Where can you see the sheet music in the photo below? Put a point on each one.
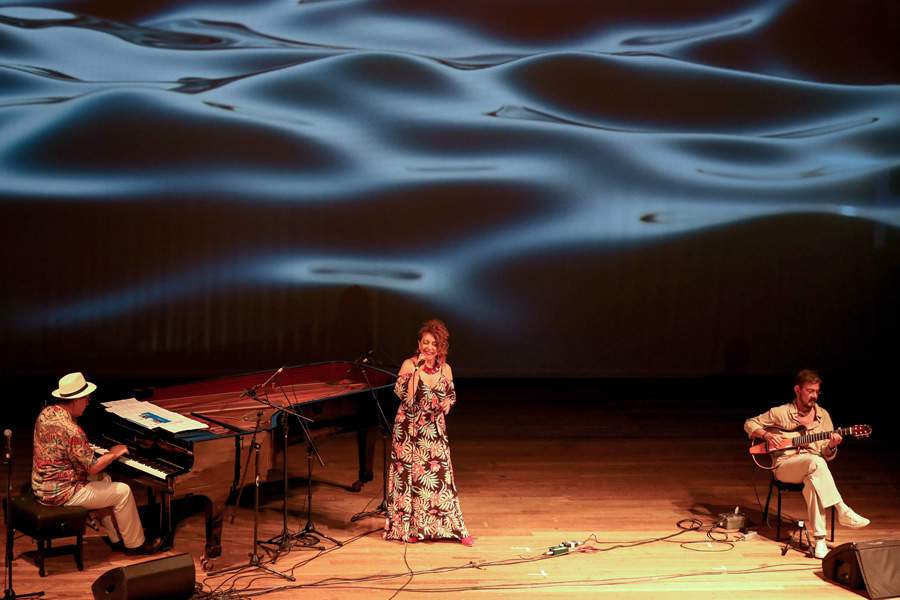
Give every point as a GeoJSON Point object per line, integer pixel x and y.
{"type": "Point", "coordinates": [151, 416]}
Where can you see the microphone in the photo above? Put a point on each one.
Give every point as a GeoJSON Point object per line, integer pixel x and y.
{"type": "Point", "coordinates": [271, 379]}
{"type": "Point", "coordinates": [7, 433]}
{"type": "Point", "coordinates": [252, 391]}
{"type": "Point", "coordinates": [365, 358]}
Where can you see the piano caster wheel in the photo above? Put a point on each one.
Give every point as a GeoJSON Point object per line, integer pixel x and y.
{"type": "Point", "coordinates": [357, 486]}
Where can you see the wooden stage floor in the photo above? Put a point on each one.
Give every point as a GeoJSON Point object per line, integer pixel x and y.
{"type": "Point", "coordinates": [536, 465]}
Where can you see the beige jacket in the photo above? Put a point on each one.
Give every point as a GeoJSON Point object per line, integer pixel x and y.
{"type": "Point", "coordinates": [785, 417]}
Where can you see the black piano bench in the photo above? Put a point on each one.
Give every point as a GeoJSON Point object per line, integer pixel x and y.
{"type": "Point", "coordinates": [47, 523]}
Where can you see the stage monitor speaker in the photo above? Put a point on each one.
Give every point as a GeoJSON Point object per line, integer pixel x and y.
{"type": "Point", "coordinates": [169, 578]}
{"type": "Point", "coordinates": [872, 566]}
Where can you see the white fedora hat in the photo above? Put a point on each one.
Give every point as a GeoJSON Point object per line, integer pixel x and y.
{"type": "Point", "coordinates": [72, 386]}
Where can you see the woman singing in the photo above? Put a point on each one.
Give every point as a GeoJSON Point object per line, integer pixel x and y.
{"type": "Point", "coordinates": [423, 503]}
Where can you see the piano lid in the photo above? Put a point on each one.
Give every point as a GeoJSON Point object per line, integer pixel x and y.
{"type": "Point", "coordinates": [231, 411]}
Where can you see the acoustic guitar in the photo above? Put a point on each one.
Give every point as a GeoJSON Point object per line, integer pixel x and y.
{"type": "Point", "coordinates": [766, 457]}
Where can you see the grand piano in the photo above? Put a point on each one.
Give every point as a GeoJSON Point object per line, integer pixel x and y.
{"type": "Point", "coordinates": [338, 396]}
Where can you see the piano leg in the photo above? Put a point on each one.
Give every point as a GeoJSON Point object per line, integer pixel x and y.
{"type": "Point", "coordinates": [161, 510]}
{"type": "Point", "coordinates": [365, 444]}
{"type": "Point", "coordinates": [167, 522]}
{"type": "Point", "coordinates": [214, 511]}
{"type": "Point", "coordinates": [214, 508]}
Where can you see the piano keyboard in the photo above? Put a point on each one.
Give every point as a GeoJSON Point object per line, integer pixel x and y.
{"type": "Point", "coordinates": [152, 468]}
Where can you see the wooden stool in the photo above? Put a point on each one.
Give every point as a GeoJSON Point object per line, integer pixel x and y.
{"type": "Point", "coordinates": [781, 486]}
{"type": "Point", "coordinates": [47, 523]}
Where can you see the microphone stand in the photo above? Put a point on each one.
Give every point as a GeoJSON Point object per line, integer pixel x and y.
{"type": "Point", "coordinates": [255, 561]}
{"type": "Point", "coordinates": [8, 592]}
{"type": "Point", "coordinates": [251, 393]}
{"type": "Point", "coordinates": [386, 431]}
{"type": "Point", "coordinates": [309, 536]}
{"type": "Point", "coordinates": [284, 541]}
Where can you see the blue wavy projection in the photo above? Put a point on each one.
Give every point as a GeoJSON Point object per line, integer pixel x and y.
{"type": "Point", "coordinates": [304, 270]}
{"type": "Point", "coordinates": [420, 149]}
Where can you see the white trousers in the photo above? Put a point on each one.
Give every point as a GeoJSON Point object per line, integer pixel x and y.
{"type": "Point", "coordinates": [819, 489]}
{"type": "Point", "coordinates": [106, 493]}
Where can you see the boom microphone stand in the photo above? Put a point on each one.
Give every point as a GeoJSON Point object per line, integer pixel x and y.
{"type": "Point", "coordinates": [386, 430]}
{"type": "Point", "coordinates": [251, 393]}
{"type": "Point", "coordinates": [309, 536]}
{"type": "Point", "coordinates": [255, 561]}
{"type": "Point", "coordinates": [284, 541]}
{"type": "Point", "coordinates": [8, 592]}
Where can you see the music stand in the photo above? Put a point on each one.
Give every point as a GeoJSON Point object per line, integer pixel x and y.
{"type": "Point", "coordinates": [386, 430]}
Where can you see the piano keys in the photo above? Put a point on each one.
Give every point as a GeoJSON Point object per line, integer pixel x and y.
{"type": "Point", "coordinates": [154, 468]}
{"type": "Point", "coordinates": [338, 396]}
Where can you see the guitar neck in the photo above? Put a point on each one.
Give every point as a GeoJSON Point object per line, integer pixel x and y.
{"type": "Point", "coordinates": [809, 438]}
{"type": "Point", "coordinates": [791, 442]}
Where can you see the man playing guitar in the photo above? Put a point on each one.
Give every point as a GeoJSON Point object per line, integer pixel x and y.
{"type": "Point", "coordinates": [808, 464]}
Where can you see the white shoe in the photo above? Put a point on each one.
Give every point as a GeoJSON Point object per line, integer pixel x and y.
{"type": "Point", "coordinates": [821, 549]}
{"type": "Point", "coordinates": [850, 519]}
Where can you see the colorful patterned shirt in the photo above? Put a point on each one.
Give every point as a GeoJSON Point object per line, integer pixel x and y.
{"type": "Point", "coordinates": [62, 456]}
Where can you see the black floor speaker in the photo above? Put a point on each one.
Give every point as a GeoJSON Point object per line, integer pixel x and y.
{"type": "Point", "coordinates": [169, 578]}
{"type": "Point", "coordinates": [872, 566]}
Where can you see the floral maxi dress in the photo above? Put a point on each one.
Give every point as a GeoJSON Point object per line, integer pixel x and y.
{"type": "Point", "coordinates": [422, 498]}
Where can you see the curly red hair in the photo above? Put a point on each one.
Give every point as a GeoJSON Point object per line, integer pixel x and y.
{"type": "Point", "coordinates": [441, 335]}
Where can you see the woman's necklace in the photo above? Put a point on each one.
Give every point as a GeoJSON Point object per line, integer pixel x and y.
{"type": "Point", "coordinates": [431, 370]}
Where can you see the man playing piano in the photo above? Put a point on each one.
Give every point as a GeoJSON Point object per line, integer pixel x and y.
{"type": "Point", "coordinates": [65, 471]}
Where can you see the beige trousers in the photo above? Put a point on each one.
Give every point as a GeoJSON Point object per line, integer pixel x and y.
{"type": "Point", "coordinates": [106, 493]}
{"type": "Point", "coordinates": [819, 489]}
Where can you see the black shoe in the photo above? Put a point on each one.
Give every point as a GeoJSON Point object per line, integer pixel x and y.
{"type": "Point", "coordinates": [115, 546]}
{"type": "Point", "coordinates": [151, 546]}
